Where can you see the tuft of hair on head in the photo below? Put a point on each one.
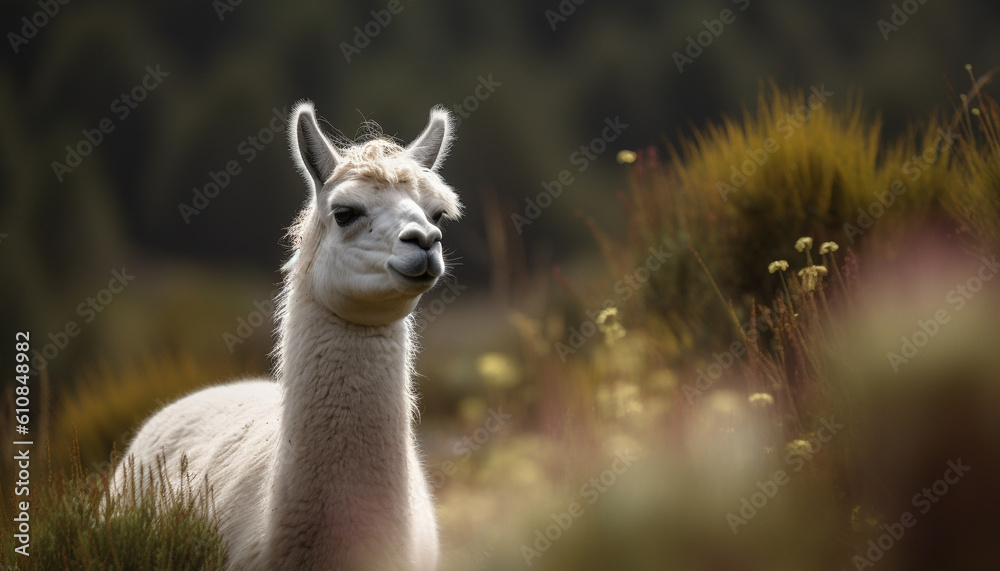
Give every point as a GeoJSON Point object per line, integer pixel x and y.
{"type": "Point", "coordinates": [370, 130]}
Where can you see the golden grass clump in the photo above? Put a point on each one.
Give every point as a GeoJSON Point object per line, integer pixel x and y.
{"type": "Point", "coordinates": [805, 164]}
{"type": "Point", "coordinates": [76, 523]}
{"type": "Point", "coordinates": [977, 204]}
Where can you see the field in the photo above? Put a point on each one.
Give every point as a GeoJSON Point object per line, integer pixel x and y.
{"type": "Point", "coordinates": [787, 361]}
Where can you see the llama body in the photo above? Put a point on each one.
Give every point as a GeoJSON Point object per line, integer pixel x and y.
{"type": "Point", "coordinates": [319, 469]}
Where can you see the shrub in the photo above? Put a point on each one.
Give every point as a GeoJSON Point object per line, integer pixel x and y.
{"type": "Point", "coordinates": [76, 523]}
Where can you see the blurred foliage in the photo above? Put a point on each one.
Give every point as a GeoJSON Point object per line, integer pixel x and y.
{"type": "Point", "coordinates": [720, 376]}
{"type": "Point", "coordinates": [816, 429]}
{"type": "Point", "coordinates": [102, 410]}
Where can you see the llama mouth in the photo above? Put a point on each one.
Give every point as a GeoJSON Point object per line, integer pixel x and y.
{"type": "Point", "coordinates": [417, 269]}
{"type": "Point", "coordinates": [425, 277]}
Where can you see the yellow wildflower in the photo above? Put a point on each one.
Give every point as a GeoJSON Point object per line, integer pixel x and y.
{"type": "Point", "coordinates": [799, 447]}
{"type": "Point", "coordinates": [777, 265]}
{"type": "Point", "coordinates": [607, 322]}
{"type": "Point", "coordinates": [625, 157]}
{"type": "Point", "coordinates": [497, 369]}
{"type": "Point", "coordinates": [810, 276]}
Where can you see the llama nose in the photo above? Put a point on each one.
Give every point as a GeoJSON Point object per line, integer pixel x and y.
{"type": "Point", "coordinates": [425, 238]}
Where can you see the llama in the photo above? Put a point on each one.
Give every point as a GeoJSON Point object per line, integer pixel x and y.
{"type": "Point", "coordinates": [320, 469]}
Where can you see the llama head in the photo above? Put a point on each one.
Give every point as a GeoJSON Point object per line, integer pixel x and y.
{"type": "Point", "coordinates": [368, 242]}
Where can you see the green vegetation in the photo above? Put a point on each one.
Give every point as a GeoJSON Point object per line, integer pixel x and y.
{"type": "Point", "coordinates": [76, 524]}
{"type": "Point", "coordinates": [783, 379]}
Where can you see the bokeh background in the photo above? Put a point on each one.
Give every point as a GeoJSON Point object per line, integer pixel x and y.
{"type": "Point", "coordinates": [198, 307]}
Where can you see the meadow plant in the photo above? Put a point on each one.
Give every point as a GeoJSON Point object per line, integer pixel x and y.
{"type": "Point", "coordinates": [77, 524]}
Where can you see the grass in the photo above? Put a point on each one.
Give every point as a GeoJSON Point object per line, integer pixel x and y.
{"type": "Point", "coordinates": [977, 206]}
{"type": "Point", "coordinates": [815, 176]}
{"type": "Point", "coordinates": [715, 411]}
{"type": "Point", "coordinates": [100, 411]}
{"type": "Point", "coordinates": [76, 523]}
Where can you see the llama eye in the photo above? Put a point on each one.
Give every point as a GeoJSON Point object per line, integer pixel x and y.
{"type": "Point", "coordinates": [344, 215]}
{"type": "Point", "coordinates": [437, 217]}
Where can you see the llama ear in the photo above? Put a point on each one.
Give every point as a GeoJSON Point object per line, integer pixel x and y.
{"type": "Point", "coordinates": [431, 147]}
{"type": "Point", "coordinates": [312, 152]}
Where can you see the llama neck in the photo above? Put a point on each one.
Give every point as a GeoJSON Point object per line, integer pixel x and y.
{"type": "Point", "coordinates": [341, 482]}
